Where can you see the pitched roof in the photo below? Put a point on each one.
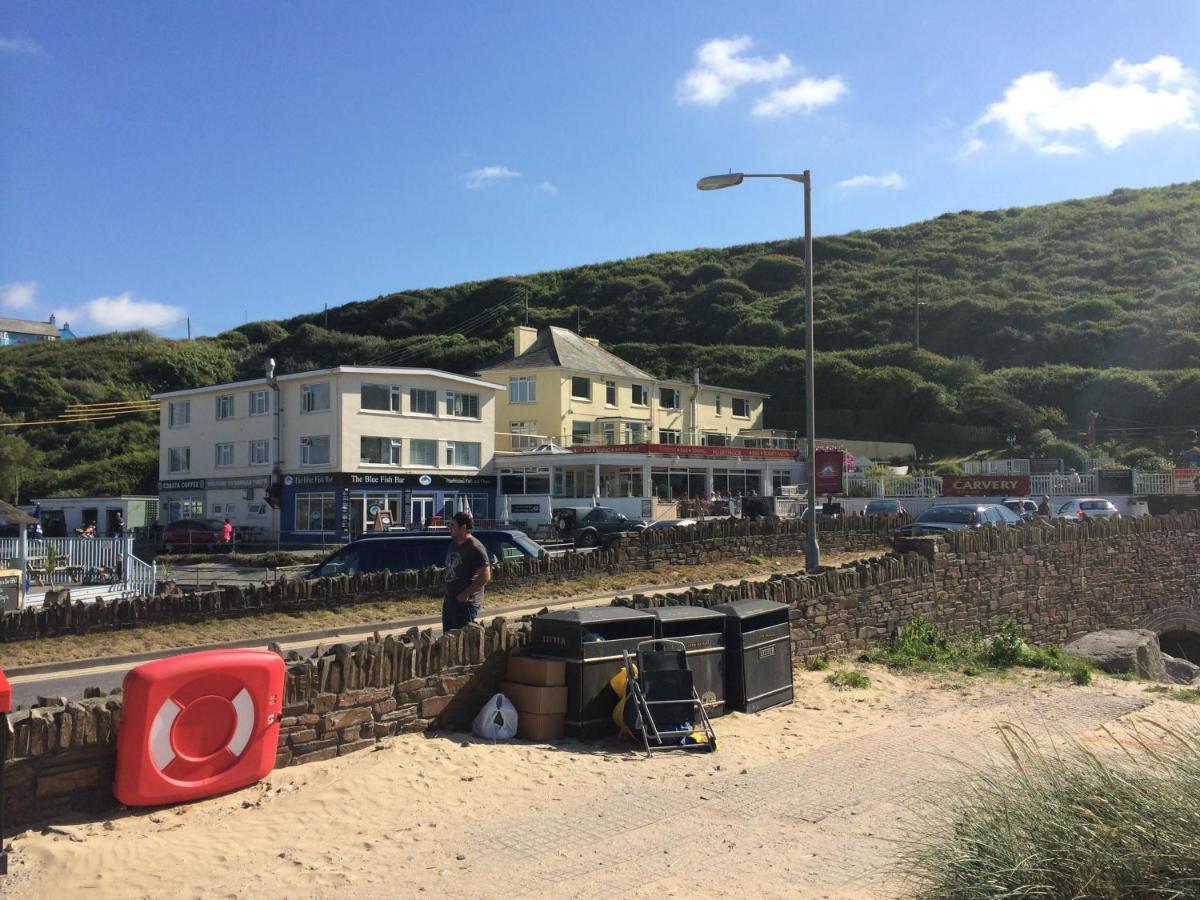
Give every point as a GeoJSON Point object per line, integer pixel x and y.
{"type": "Point", "coordinates": [24, 326]}
{"type": "Point", "coordinates": [562, 348]}
{"type": "Point", "coordinates": [10, 515]}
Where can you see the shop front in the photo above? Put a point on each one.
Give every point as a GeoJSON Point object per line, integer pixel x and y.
{"type": "Point", "coordinates": [239, 499]}
{"type": "Point", "coordinates": [342, 505]}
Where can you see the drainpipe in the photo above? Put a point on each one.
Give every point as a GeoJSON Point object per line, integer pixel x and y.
{"type": "Point", "coordinates": [692, 405]}
{"type": "Point", "coordinates": [276, 464]}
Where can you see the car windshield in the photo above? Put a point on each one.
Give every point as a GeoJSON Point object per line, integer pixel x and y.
{"type": "Point", "coordinates": [1066, 507]}
{"type": "Point", "coordinates": [951, 515]}
{"type": "Point", "coordinates": [529, 546]}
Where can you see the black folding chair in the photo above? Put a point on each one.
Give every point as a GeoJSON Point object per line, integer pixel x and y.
{"type": "Point", "coordinates": [666, 710]}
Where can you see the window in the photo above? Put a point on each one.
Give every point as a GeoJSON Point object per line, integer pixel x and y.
{"type": "Point", "coordinates": [179, 459]}
{"type": "Point", "coordinates": [718, 404]}
{"type": "Point", "coordinates": [314, 397]}
{"type": "Point", "coordinates": [522, 389]}
{"type": "Point", "coordinates": [422, 401]}
{"type": "Point", "coordinates": [315, 512]}
{"type": "Point", "coordinates": [635, 433]}
{"type": "Point", "coordinates": [380, 451]}
{"type": "Point", "coordinates": [384, 397]}
{"type": "Point", "coordinates": [668, 398]}
{"type": "Point", "coordinates": [581, 388]}
{"type": "Point", "coordinates": [259, 404]}
{"type": "Point", "coordinates": [668, 436]}
{"type": "Point", "coordinates": [525, 481]}
{"type": "Point", "coordinates": [716, 439]}
{"type": "Point", "coordinates": [610, 433]}
{"type": "Point", "coordinates": [581, 432]}
{"type": "Point", "coordinates": [610, 393]}
{"type": "Point", "coordinates": [225, 406]}
{"type": "Point", "coordinates": [179, 414]}
{"type": "Point", "coordinates": [523, 435]}
{"type": "Point", "coordinates": [741, 408]}
{"type": "Point", "coordinates": [641, 396]}
{"type": "Point", "coordinates": [422, 453]}
{"type": "Point", "coordinates": [260, 455]}
{"type": "Point", "coordinates": [314, 451]}
{"type": "Point", "coordinates": [465, 406]}
{"type": "Point", "coordinates": [256, 509]}
{"type": "Point", "coordinates": [224, 454]}
{"type": "Point", "coordinates": [462, 453]}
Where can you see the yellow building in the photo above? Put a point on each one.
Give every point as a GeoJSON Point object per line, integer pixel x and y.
{"type": "Point", "coordinates": [568, 390]}
{"type": "Point", "coordinates": [576, 421]}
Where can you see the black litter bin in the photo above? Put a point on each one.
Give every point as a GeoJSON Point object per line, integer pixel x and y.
{"type": "Point", "coordinates": [702, 632]}
{"type": "Point", "coordinates": [758, 644]}
{"type": "Point", "coordinates": [591, 642]}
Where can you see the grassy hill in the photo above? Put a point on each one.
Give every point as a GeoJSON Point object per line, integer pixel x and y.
{"type": "Point", "coordinates": [1030, 318]}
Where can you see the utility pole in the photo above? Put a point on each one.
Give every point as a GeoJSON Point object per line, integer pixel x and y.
{"type": "Point", "coordinates": [189, 321]}
{"type": "Point", "coordinates": [917, 308]}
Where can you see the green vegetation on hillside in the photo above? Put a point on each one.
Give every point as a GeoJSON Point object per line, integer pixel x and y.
{"type": "Point", "coordinates": [1030, 318]}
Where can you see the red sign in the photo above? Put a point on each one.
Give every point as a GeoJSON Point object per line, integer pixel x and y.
{"type": "Point", "coordinates": [985, 485]}
{"type": "Point", "coordinates": [689, 450]}
{"type": "Point", "coordinates": [5, 697]}
{"type": "Point", "coordinates": [830, 465]}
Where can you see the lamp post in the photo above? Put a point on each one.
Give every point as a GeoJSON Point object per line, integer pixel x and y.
{"type": "Point", "coordinates": [812, 551]}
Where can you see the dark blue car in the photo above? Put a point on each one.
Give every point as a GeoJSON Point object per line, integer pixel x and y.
{"type": "Point", "coordinates": [397, 551]}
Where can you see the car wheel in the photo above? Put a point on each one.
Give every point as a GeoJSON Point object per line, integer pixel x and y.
{"type": "Point", "coordinates": [589, 539]}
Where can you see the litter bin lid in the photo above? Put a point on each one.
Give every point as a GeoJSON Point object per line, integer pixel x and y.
{"type": "Point", "coordinates": [744, 609]}
{"type": "Point", "coordinates": [595, 615]}
{"type": "Point", "coordinates": [685, 613]}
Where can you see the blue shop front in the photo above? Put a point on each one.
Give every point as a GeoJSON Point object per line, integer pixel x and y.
{"type": "Point", "coordinates": [339, 506]}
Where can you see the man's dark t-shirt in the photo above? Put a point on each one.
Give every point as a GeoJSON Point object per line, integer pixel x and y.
{"type": "Point", "coordinates": [463, 561]}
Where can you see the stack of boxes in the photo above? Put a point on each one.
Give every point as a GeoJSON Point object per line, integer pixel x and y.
{"type": "Point", "coordinates": [538, 689]}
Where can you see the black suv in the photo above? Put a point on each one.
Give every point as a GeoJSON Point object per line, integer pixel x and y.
{"type": "Point", "coordinates": [590, 526]}
{"type": "Point", "coordinates": [397, 551]}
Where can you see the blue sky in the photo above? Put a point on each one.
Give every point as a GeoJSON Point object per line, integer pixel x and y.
{"type": "Point", "coordinates": [230, 162]}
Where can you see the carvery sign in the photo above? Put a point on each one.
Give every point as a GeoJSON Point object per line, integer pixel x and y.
{"type": "Point", "coordinates": [985, 485]}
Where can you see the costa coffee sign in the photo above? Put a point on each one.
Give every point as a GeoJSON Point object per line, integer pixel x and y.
{"type": "Point", "coordinates": [984, 485]}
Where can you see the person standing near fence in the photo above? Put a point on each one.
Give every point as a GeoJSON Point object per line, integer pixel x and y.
{"type": "Point", "coordinates": [119, 526]}
{"type": "Point", "coordinates": [468, 569]}
{"type": "Point", "coordinates": [227, 535]}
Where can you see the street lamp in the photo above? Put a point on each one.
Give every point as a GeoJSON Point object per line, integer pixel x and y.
{"type": "Point", "coordinates": [812, 551]}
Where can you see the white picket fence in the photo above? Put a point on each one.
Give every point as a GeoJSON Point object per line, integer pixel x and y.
{"type": "Point", "coordinates": [78, 556]}
{"type": "Point", "coordinates": [893, 485]}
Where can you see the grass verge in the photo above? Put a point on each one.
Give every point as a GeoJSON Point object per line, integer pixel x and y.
{"type": "Point", "coordinates": [847, 680]}
{"type": "Point", "coordinates": [922, 647]}
{"type": "Point", "coordinates": [1183, 695]}
{"type": "Point", "coordinates": [1067, 822]}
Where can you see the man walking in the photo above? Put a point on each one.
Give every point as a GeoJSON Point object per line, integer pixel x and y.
{"type": "Point", "coordinates": [467, 571]}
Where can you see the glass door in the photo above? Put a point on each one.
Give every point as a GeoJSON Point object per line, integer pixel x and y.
{"type": "Point", "coordinates": [420, 507]}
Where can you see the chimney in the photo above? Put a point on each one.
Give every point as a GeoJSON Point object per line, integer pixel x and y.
{"type": "Point", "coordinates": [595, 342]}
{"type": "Point", "coordinates": [51, 318]}
{"type": "Point", "coordinates": [523, 338]}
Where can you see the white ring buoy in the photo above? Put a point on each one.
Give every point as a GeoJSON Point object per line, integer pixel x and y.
{"type": "Point", "coordinates": [162, 748]}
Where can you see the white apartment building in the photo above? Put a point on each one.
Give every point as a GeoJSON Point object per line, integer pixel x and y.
{"type": "Point", "coordinates": [335, 446]}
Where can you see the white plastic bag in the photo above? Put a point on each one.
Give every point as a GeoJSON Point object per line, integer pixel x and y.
{"type": "Point", "coordinates": [497, 721]}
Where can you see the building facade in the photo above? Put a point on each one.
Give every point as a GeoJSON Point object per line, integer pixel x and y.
{"type": "Point", "coordinates": [24, 331]}
{"type": "Point", "coordinates": [577, 422]}
{"type": "Point", "coordinates": [335, 446]}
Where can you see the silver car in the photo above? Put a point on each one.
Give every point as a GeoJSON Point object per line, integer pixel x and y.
{"type": "Point", "coordinates": [1088, 508]}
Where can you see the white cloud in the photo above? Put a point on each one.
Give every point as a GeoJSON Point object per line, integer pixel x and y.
{"type": "Point", "coordinates": [721, 69]}
{"type": "Point", "coordinates": [889, 180]}
{"type": "Point", "coordinates": [21, 45]}
{"type": "Point", "coordinates": [488, 176]}
{"type": "Point", "coordinates": [547, 188]}
{"type": "Point", "coordinates": [124, 313]}
{"type": "Point", "coordinates": [18, 294]}
{"type": "Point", "coordinates": [1130, 99]}
{"type": "Point", "coordinates": [804, 96]}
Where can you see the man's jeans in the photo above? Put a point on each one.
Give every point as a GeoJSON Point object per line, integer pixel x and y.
{"type": "Point", "coordinates": [457, 615]}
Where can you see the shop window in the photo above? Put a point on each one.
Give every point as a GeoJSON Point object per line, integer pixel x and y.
{"type": "Point", "coordinates": [315, 512]}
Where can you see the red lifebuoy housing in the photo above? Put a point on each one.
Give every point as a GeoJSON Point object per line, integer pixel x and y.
{"type": "Point", "coordinates": [197, 725]}
{"type": "Point", "coordinates": [5, 694]}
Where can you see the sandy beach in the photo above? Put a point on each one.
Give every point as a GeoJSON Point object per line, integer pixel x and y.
{"type": "Point", "coordinates": [807, 800]}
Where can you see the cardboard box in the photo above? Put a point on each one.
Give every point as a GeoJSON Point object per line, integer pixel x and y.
{"type": "Point", "coordinates": [543, 672]}
{"type": "Point", "coordinates": [534, 727]}
{"type": "Point", "coordinates": [528, 698]}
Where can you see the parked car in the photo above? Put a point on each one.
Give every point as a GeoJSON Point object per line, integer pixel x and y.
{"type": "Point", "coordinates": [193, 534]}
{"type": "Point", "coordinates": [1088, 508]}
{"type": "Point", "coordinates": [670, 523]}
{"type": "Point", "coordinates": [884, 508]}
{"type": "Point", "coordinates": [590, 526]}
{"type": "Point", "coordinates": [956, 517]}
{"type": "Point", "coordinates": [398, 551]}
{"type": "Point", "coordinates": [1024, 507]}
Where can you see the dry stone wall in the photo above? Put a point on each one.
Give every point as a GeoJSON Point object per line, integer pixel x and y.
{"type": "Point", "coordinates": [1057, 581]}
{"type": "Point", "coordinates": [705, 542]}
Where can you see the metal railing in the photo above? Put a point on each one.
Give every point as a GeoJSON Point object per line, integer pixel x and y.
{"type": "Point", "coordinates": [893, 485]}
{"type": "Point", "coordinates": [140, 577]}
{"type": "Point", "coordinates": [1063, 485]}
{"type": "Point", "coordinates": [1153, 483]}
